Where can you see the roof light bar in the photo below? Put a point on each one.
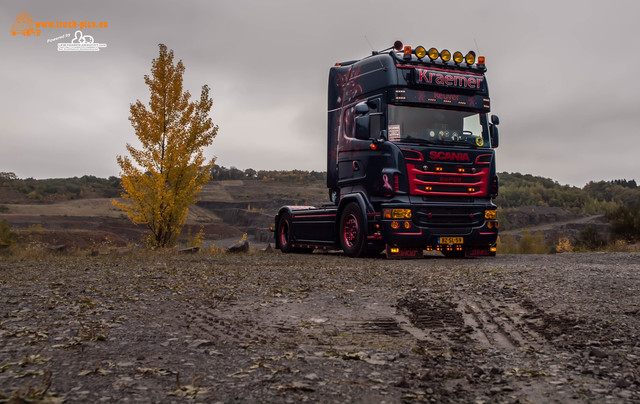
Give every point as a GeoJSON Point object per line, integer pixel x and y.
{"type": "Point", "coordinates": [445, 55]}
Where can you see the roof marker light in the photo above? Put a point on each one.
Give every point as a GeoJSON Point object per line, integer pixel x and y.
{"type": "Point", "coordinates": [480, 60]}
{"type": "Point", "coordinates": [421, 52]}
{"type": "Point", "coordinates": [407, 52]}
{"type": "Point", "coordinates": [433, 54]}
{"type": "Point", "coordinates": [397, 45]}
{"type": "Point", "coordinates": [458, 57]}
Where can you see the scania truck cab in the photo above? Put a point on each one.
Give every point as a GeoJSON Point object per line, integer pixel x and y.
{"type": "Point", "coordinates": [410, 159]}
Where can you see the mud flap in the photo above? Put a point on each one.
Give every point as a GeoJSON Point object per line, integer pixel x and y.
{"type": "Point", "coordinates": [399, 253]}
{"type": "Point", "coordinates": [479, 252]}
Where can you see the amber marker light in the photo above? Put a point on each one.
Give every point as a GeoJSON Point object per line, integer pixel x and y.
{"type": "Point", "coordinates": [407, 225]}
{"type": "Point", "coordinates": [445, 55]}
{"type": "Point", "coordinates": [407, 51]}
{"type": "Point", "coordinates": [421, 52]}
{"type": "Point", "coordinates": [433, 54]}
{"type": "Point", "coordinates": [373, 146]}
{"type": "Point", "coordinates": [395, 225]}
{"type": "Point", "coordinates": [480, 60]}
{"type": "Point", "coordinates": [458, 57]}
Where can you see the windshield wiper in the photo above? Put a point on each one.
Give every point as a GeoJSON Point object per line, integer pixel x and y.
{"type": "Point", "coordinates": [461, 142]}
{"type": "Point", "coordinates": [417, 140]}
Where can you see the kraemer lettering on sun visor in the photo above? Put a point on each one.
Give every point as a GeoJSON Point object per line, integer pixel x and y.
{"type": "Point", "coordinates": [448, 79]}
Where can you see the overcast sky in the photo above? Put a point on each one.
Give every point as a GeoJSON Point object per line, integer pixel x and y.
{"type": "Point", "coordinates": [560, 74]}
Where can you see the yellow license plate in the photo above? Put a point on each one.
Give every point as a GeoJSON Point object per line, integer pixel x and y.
{"type": "Point", "coordinates": [451, 240]}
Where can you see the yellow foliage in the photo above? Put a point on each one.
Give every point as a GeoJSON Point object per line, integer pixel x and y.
{"type": "Point", "coordinates": [196, 239]}
{"type": "Point", "coordinates": [163, 178]}
{"type": "Point", "coordinates": [564, 245]}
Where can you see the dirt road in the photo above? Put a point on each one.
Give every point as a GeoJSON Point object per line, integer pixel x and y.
{"type": "Point", "coordinates": [321, 328]}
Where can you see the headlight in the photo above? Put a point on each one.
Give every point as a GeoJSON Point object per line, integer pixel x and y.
{"type": "Point", "coordinates": [396, 213]}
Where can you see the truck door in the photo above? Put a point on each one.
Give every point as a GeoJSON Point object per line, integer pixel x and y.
{"type": "Point", "coordinates": [354, 154]}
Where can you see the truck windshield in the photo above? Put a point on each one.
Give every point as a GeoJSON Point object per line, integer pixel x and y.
{"type": "Point", "coordinates": [436, 126]}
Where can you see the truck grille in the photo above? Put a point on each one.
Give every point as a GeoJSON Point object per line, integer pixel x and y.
{"type": "Point", "coordinates": [443, 216]}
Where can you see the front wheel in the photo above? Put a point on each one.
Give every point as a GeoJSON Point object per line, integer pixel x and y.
{"type": "Point", "coordinates": [352, 232]}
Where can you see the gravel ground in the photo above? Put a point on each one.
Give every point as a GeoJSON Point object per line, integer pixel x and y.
{"type": "Point", "coordinates": [268, 327]}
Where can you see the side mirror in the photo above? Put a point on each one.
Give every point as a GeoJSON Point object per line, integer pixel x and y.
{"type": "Point", "coordinates": [495, 120]}
{"type": "Point", "coordinates": [375, 125]}
{"type": "Point", "coordinates": [493, 132]}
{"type": "Point", "coordinates": [362, 108]}
{"type": "Point", "coordinates": [363, 126]}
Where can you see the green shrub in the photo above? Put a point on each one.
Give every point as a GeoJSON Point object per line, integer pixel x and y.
{"type": "Point", "coordinates": [589, 239]}
{"type": "Point", "coordinates": [7, 237]}
{"type": "Point", "coordinates": [532, 244]}
{"type": "Point", "coordinates": [625, 223]}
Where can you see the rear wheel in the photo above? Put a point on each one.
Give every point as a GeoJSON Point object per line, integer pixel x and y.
{"type": "Point", "coordinates": [352, 232]}
{"type": "Point", "coordinates": [283, 233]}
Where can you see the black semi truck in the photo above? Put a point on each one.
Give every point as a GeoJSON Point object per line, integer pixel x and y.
{"type": "Point", "coordinates": [410, 160]}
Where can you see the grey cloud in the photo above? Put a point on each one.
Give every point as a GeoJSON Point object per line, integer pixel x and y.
{"type": "Point", "coordinates": [560, 76]}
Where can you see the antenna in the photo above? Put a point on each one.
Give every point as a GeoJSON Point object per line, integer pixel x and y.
{"type": "Point", "coordinates": [371, 46]}
{"type": "Point", "coordinates": [374, 52]}
{"type": "Point", "coordinates": [477, 47]}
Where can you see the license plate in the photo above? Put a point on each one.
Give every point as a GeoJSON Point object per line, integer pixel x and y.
{"type": "Point", "coordinates": [451, 240]}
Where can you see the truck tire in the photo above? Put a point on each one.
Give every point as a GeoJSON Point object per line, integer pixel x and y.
{"type": "Point", "coordinates": [352, 235]}
{"type": "Point", "coordinates": [283, 233]}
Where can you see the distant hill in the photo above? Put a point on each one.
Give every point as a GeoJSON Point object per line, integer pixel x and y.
{"type": "Point", "coordinates": [245, 201]}
{"type": "Point", "coordinates": [516, 190]}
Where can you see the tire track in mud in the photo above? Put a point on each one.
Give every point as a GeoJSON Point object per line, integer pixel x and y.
{"type": "Point", "coordinates": [498, 324]}
{"type": "Point", "coordinates": [433, 318]}
{"type": "Point", "coordinates": [450, 319]}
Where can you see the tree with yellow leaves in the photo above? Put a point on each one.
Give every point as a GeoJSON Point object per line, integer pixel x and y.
{"type": "Point", "coordinates": [163, 178]}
